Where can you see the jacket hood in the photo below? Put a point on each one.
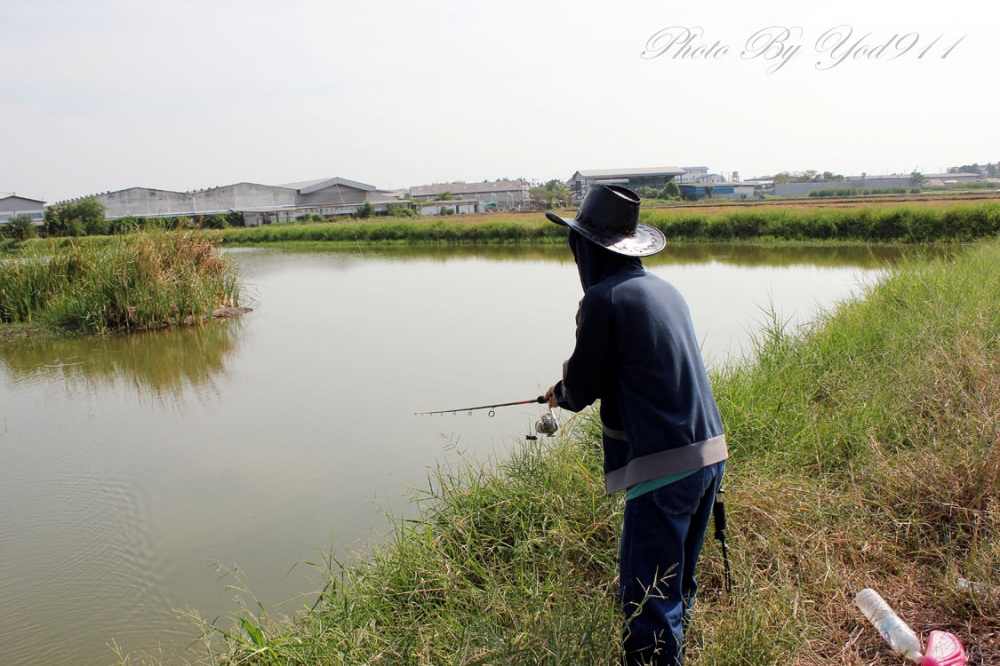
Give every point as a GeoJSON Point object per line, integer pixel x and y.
{"type": "Point", "coordinates": [597, 263]}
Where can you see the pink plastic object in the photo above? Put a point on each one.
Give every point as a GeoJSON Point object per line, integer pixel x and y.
{"type": "Point", "coordinates": [944, 649]}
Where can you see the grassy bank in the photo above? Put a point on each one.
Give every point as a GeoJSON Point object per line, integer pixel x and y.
{"type": "Point", "coordinates": [140, 281]}
{"type": "Point", "coordinates": [904, 223]}
{"type": "Point", "coordinates": [507, 228]}
{"type": "Point", "coordinates": [864, 453]}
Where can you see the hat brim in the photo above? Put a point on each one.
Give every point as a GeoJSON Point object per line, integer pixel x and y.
{"type": "Point", "coordinates": [645, 241]}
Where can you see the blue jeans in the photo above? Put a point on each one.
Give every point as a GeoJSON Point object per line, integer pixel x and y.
{"type": "Point", "coordinates": [662, 536]}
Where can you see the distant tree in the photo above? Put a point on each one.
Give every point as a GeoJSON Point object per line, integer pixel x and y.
{"type": "Point", "coordinates": [988, 170]}
{"type": "Point", "coordinates": [95, 225]}
{"type": "Point", "coordinates": [445, 196]}
{"type": "Point", "coordinates": [125, 225]}
{"type": "Point", "coordinates": [400, 210]}
{"type": "Point", "coordinates": [75, 228]}
{"type": "Point", "coordinates": [965, 168]}
{"type": "Point", "coordinates": [19, 227]}
{"type": "Point", "coordinates": [671, 190]}
{"type": "Point", "coordinates": [917, 178]}
{"type": "Point", "coordinates": [708, 191]}
{"type": "Point", "coordinates": [553, 193]}
{"type": "Point", "coordinates": [367, 210]}
{"type": "Point", "coordinates": [807, 176]}
{"type": "Point", "coordinates": [88, 214]}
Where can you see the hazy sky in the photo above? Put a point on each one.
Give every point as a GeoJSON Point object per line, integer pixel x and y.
{"type": "Point", "coordinates": [101, 95]}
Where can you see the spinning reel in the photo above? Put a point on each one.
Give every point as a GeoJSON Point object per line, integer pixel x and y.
{"type": "Point", "coordinates": [547, 425]}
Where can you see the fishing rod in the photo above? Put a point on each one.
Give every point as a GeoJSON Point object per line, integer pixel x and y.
{"type": "Point", "coordinates": [547, 425]}
{"type": "Point", "coordinates": [539, 400]}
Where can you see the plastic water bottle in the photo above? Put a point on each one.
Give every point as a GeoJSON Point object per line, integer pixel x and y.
{"type": "Point", "coordinates": [900, 637]}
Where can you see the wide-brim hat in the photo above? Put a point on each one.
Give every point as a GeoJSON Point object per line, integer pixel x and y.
{"type": "Point", "coordinates": [609, 216]}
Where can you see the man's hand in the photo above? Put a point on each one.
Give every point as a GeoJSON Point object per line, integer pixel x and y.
{"type": "Point", "coordinates": [549, 395]}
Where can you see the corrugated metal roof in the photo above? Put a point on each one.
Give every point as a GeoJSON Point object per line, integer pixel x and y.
{"type": "Point", "coordinates": [309, 186]}
{"type": "Point", "coordinates": [469, 188]}
{"type": "Point", "coordinates": [950, 174]}
{"type": "Point", "coordinates": [15, 196]}
{"type": "Point", "coordinates": [301, 184]}
{"type": "Point", "coordinates": [617, 173]}
{"type": "Point", "coordinates": [716, 185]}
{"type": "Point", "coordinates": [382, 197]}
{"type": "Point", "coordinates": [447, 202]}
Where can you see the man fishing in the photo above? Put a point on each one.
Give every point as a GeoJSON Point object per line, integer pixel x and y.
{"type": "Point", "coordinates": [636, 351]}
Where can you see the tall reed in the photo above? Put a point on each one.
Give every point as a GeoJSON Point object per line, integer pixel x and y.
{"type": "Point", "coordinates": [139, 281]}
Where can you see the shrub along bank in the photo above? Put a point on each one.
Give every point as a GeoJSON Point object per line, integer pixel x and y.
{"type": "Point", "coordinates": [863, 453]}
{"type": "Point", "coordinates": [139, 281]}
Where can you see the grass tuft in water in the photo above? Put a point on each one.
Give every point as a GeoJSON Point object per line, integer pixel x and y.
{"type": "Point", "coordinates": [140, 281]}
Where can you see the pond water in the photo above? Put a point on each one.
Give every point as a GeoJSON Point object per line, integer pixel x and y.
{"type": "Point", "coordinates": [137, 471]}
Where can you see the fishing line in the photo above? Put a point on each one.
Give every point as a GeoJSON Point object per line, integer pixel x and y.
{"type": "Point", "coordinates": [548, 424]}
{"type": "Point", "coordinates": [540, 400]}
{"type": "Point", "coordinates": [354, 229]}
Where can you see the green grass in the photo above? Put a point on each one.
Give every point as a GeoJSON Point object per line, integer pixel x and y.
{"type": "Point", "coordinates": [140, 281]}
{"type": "Point", "coordinates": [863, 453]}
{"type": "Point", "coordinates": [884, 223]}
{"type": "Point", "coordinates": [480, 229]}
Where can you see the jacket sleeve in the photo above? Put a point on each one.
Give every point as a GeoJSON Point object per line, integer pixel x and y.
{"type": "Point", "coordinates": [585, 372]}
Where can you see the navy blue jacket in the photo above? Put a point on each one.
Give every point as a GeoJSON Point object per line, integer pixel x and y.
{"type": "Point", "coordinates": [636, 351]}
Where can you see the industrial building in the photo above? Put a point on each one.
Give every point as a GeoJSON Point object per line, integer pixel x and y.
{"type": "Point", "coordinates": [692, 174]}
{"type": "Point", "coordinates": [656, 177]}
{"type": "Point", "coordinates": [327, 197]}
{"type": "Point", "coordinates": [15, 205]}
{"type": "Point", "coordinates": [872, 182]}
{"type": "Point", "coordinates": [455, 206]}
{"type": "Point", "coordinates": [723, 190]}
{"type": "Point", "coordinates": [502, 194]}
{"type": "Point", "coordinates": [260, 204]}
